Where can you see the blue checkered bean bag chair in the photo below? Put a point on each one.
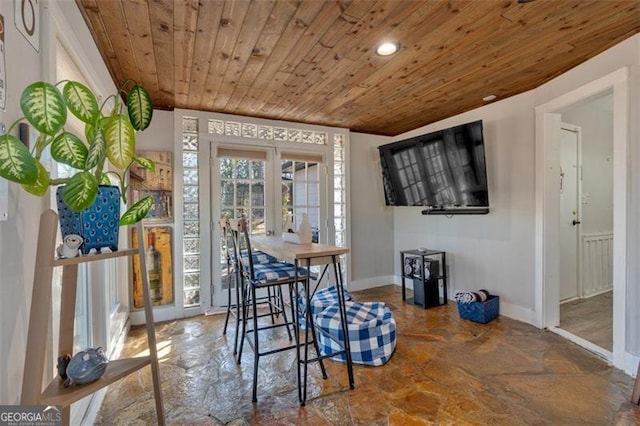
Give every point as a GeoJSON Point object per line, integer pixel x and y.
{"type": "Point", "coordinates": [322, 299]}
{"type": "Point", "coordinates": [372, 332]}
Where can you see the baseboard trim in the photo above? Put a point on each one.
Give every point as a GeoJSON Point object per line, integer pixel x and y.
{"type": "Point", "coordinates": [371, 283]}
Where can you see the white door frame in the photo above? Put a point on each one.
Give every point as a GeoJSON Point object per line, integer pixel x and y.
{"type": "Point", "coordinates": [547, 123]}
{"type": "Point", "coordinates": [273, 196]}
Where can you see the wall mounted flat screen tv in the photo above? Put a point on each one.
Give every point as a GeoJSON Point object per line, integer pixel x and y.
{"type": "Point", "coordinates": [443, 171]}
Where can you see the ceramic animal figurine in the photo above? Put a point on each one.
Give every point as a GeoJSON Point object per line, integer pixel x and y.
{"type": "Point", "coordinates": [70, 246]}
{"type": "Point", "coordinates": [63, 363]}
{"type": "Point", "coordinates": [86, 366]}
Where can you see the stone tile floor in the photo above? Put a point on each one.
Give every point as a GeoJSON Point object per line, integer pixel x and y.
{"type": "Point", "coordinates": [445, 371]}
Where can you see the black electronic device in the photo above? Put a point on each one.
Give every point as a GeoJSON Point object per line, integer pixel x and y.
{"type": "Point", "coordinates": [409, 266]}
{"type": "Point", "coordinates": [444, 171]}
{"type": "Point", "coordinates": [426, 291]}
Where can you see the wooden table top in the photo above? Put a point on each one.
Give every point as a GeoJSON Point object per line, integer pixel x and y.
{"type": "Point", "coordinates": [318, 253]}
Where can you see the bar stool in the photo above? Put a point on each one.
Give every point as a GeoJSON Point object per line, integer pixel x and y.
{"type": "Point", "coordinates": [233, 272]}
{"type": "Point", "coordinates": [257, 276]}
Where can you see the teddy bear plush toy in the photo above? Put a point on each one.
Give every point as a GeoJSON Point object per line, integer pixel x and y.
{"type": "Point", "coordinates": [70, 246]}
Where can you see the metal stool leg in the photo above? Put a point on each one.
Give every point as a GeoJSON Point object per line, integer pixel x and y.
{"type": "Point", "coordinates": [256, 356]}
{"type": "Point", "coordinates": [238, 313]}
{"type": "Point", "coordinates": [243, 332]}
{"type": "Point", "coordinates": [226, 320]}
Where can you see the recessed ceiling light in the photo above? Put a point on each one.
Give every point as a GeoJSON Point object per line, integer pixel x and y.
{"type": "Point", "coordinates": [386, 49]}
{"type": "Point", "coordinates": [489, 98]}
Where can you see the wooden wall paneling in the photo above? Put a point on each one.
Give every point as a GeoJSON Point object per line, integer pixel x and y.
{"type": "Point", "coordinates": [356, 55]}
{"type": "Point", "coordinates": [312, 61]}
{"type": "Point", "coordinates": [241, 99]}
{"type": "Point", "coordinates": [112, 16]}
{"type": "Point", "coordinates": [161, 15]}
{"type": "Point", "coordinates": [314, 30]}
{"type": "Point", "coordinates": [230, 27]}
{"type": "Point", "coordinates": [209, 16]}
{"type": "Point", "coordinates": [253, 24]}
{"type": "Point", "coordinates": [271, 77]}
{"type": "Point", "coordinates": [520, 50]}
{"type": "Point", "coordinates": [322, 59]}
{"type": "Point", "coordinates": [392, 73]}
{"type": "Point", "coordinates": [91, 14]}
{"type": "Point", "coordinates": [185, 17]}
{"type": "Point", "coordinates": [143, 51]}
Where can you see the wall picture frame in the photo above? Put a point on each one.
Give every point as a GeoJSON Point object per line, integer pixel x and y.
{"type": "Point", "coordinates": [158, 184]}
{"type": "Point", "coordinates": [158, 241]}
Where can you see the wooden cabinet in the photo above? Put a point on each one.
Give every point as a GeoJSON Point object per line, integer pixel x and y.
{"type": "Point", "coordinates": [54, 392]}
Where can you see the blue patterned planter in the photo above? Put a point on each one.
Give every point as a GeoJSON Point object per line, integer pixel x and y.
{"type": "Point", "coordinates": [98, 225]}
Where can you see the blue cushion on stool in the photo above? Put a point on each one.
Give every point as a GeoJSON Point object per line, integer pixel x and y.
{"type": "Point", "coordinates": [372, 332]}
{"type": "Point", "coordinates": [321, 299]}
{"type": "Point", "coordinates": [258, 256]}
{"type": "Point", "coordinates": [266, 273]}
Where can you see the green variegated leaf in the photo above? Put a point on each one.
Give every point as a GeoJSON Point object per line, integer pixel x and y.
{"type": "Point", "coordinates": [44, 107]}
{"type": "Point", "coordinates": [81, 191]}
{"type": "Point", "coordinates": [81, 101]}
{"type": "Point", "coordinates": [97, 151]}
{"type": "Point", "coordinates": [138, 211]}
{"type": "Point", "coordinates": [105, 180]}
{"type": "Point", "coordinates": [16, 163]}
{"type": "Point", "coordinates": [121, 141]}
{"type": "Point", "coordinates": [68, 149]}
{"type": "Point", "coordinates": [146, 163]}
{"type": "Point", "coordinates": [89, 132]}
{"type": "Point", "coordinates": [140, 107]}
{"type": "Point", "coordinates": [41, 185]}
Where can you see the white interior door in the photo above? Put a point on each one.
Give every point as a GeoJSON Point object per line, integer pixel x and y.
{"type": "Point", "coordinates": [569, 213]}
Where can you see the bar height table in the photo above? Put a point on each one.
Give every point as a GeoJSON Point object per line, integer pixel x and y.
{"type": "Point", "coordinates": [307, 255]}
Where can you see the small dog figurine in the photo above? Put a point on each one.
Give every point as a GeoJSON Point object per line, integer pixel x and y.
{"type": "Point", "coordinates": [70, 246]}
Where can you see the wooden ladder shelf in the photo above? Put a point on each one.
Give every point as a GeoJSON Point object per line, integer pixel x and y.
{"type": "Point", "coordinates": [39, 318]}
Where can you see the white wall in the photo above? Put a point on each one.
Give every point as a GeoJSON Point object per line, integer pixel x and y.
{"type": "Point", "coordinates": [478, 246]}
{"type": "Point", "coordinates": [159, 136]}
{"type": "Point", "coordinates": [18, 235]}
{"type": "Point", "coordinates": [496, 251]}
{"type": "Point", "coordinates": [372, 248]}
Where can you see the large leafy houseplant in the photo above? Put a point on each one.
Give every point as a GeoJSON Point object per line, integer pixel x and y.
{"type": "Point", "coordinates": [107, 147]}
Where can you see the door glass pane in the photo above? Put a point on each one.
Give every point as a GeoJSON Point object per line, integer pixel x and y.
{"type": "Point", "coordinates": [257, 170]}
{"type": "Point", "coordinates": [242, 168]}
{"type": "Point", "coordinates": [257, 194]}
{"type": "Point", "coordinates": [301, 193]}
{"type": "Point", "coordinates": [242, 194]}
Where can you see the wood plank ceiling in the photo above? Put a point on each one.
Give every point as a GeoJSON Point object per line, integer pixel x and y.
{"type": "Point", "coordinates": [313, 61]}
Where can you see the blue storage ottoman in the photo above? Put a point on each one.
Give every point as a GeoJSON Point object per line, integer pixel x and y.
{"type": "Point", "coordinates": [372, 332]}
{"type": "Point", "coordinates": [322, 299]}
{"type": "Point", "coordinates": [481, 312]}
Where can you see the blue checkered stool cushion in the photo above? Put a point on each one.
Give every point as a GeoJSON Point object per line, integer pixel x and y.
{"type": "Point", "coordinates": [258, 257]}
{"type": "Point", "coordinates": [266, 273]}
{"type": "Point", "coordinates": [372, 332]}
{"type": "Point", "coordinates": [322, 299]}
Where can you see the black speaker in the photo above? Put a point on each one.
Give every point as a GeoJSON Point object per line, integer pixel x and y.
{"type": "Point", "coordinates": [409, 266]}
{"type": "Point", "coordinates": [426, 293]}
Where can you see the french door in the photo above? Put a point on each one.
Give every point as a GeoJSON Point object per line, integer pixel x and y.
{"type": "Point", "coordinates": [264, 185]}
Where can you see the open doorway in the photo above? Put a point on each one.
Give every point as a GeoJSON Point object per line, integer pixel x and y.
{"type": "Point", "coordinates": [586, 220]}
{"type": "Point", "coordinates": [549, 118]}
